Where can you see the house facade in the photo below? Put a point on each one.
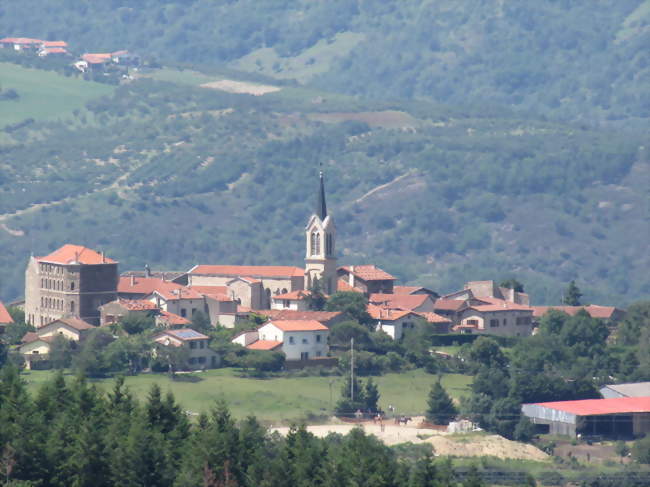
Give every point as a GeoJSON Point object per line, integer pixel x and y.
{"type": "Point", "coordinates": [298, 340]}
{"type": "Point", "coordinates": [367, 279]}
{"type": "Point", "coordinates": [503, 318]}
{"type": "Point", "coordinates": [195, 345]}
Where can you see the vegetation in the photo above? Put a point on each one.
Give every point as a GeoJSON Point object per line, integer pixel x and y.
{"type": "Point", "coordinates": [440, 407]}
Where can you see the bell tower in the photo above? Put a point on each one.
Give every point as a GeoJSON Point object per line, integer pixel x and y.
{"type": "Point", "coordinates": [320, 240]}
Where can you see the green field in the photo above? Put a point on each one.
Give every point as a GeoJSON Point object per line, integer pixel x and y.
{"type": "Point", "coordinates": [44, 95]}
{"type": "Point", "coordinates": [280, 399]}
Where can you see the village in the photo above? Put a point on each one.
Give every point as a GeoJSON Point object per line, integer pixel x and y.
{"type": "Point", "coordinates": [279, 309]}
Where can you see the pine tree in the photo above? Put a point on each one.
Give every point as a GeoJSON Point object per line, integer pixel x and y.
{"type": "Point", "coordinates": [371, 396]}
{"type": "Point", "coordinates": [572, 295]}
{"type": "Point", "coordinates": [441, 409]}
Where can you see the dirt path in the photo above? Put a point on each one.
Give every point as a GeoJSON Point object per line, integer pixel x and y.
{"type": "Point", "coordinates": [462, 445]}
{"type": "Point", "coordinates": [383, 186]}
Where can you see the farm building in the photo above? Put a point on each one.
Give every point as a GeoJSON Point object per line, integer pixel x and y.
{"type": "Point", "coordinates": [615, 417]}
{"type": "Point", "coordinates": [633, 389]}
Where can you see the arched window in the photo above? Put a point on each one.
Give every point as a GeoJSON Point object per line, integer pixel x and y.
{"type": "Point", "coordinates": [72, 306]}
{"type": "Point", "coordinates": [328, 244]}
{"type": "Point", "coordinates": [312, 243]}
{"type": "Point", "coordinates": [317, 244]}
{"type": "Point", "coordinates": [72, 286]}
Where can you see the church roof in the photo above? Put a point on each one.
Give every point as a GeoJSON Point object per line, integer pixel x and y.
{"type": "Point", "coordinates": [248, 270]}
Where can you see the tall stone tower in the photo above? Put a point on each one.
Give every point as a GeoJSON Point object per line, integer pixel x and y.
{"type": "Point", "coordinates": [320, 239]}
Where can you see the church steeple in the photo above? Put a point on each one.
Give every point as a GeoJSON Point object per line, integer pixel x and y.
{"type": "Point", "coordinates": [320, 239]}
{"type": "Point", "coordinates": [321, 209]}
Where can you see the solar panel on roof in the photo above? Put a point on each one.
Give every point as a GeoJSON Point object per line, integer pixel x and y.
{"type": "Point", "coordinates": [188, 334]}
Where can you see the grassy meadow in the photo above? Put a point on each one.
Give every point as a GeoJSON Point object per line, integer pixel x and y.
{"type": "Point", "coordinates": [44, 95]}
{"type": "Point", "coordinates": [278, 399]}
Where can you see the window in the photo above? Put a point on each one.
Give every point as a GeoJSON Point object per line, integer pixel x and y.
{"type": "Point", "coordinates": [505, 322]}
{"type": "Point", "coordinates": [201, 344]}
{"type": "Point", "coordinates": [72, 306]}
{"type": "Point", "coordinates": [183, 312]}
{"type": "Point", "coordinates": [305, 341]}
{"type": "Point", "coordinates": [72, 286]}
{"type": "Point", "coordinates": [317, 338]}
{"type": "Point", "coordinates": [304, 355]}
{"type": "Point", "coordinates": [201, 360]}
{"type": "Point", "coordinates": [291, 341]}
{"type": "Point", "coordinates": [494, 323]}
{"type": "Point", "coordinates": [192, 345]}
{"type": "Point", "coordinates": [285, 303]}
{"type": "Point", "coordinates": [312, 241]}
{"type": "Point", "coordinates": [192, 361]}
{"type": "Point", "coordinates": [523, 320]}
{"type": "Point", "coordinates": [472, 322]}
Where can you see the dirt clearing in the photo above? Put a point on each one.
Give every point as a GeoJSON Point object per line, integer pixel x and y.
{"type": "Point", "coordinates": [461, 445]}
{"type": "Point", "coordinates": [241, 87]}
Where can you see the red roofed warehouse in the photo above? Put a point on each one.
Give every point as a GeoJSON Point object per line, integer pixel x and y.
{"type": "Point", "coordinates": [71, 281]}
{"type": "Point", "coordinates": [621, 417]}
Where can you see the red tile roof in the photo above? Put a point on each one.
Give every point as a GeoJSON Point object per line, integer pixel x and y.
{"type": "Point", "coordinates": [255, 271]}
{"type": "Point", "coordinates": [170, 291]}
{"type": "Point", "coordinates": [174, 319]}
{"type": "Point", "coordinates": [70, 254]}
{"type": "Point", "coordinates": [434, 318]}
{"type": "Point", "coordinates": [595, 311]}
{"type": "Point", "coordinates": [96, 58]}
{"type": "Point", "coordinates": [290, 314]}
{"type": "Point", "coordinates": [386, 314]}
{"type": "Point", "coordinates": [20, 40]}
{"type": "Point", "coordinates": [589, 407]}
{"type": "Point", "coordinates": [298, 325]}
{"type": "Point", "coordinates": [344, 286]}
{"type": "Point", "coordinates": [55, 44]}
{"type": "Point", "coordinates": [264, 345]}
{"type": "Point", "coordinates": [449, 304]}
{"type": "Point", "coordinates": [137, 304]}
{"type": "Point", "coordinates": [76, 323]}
{"type": "Point", "coordinates": [293, 295]}
{"type": "Point", "coordinates": [399, 301]}
{"type": "Point", "coordinates": [368, 272]}
{"type": "Point", "coordinates": [31, 337]}
{"type": "Point", "coordinates": [406, 289]}
{"type": "Point", "coordinates": [497, 304]}
{"type": "Point", "coordinates": [220, 293]}
{"type": "Point", "coordinates": [5, 317]}
{"type": "Point", "coordinates": [137, 285]}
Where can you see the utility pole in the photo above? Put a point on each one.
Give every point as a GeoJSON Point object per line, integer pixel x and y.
{"type": "Point", "coordinates": [352, 369]}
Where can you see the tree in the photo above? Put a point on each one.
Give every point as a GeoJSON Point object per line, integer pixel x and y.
{"type": "Point", "coordinates": [641, 450]}
{"type": "Point", "coordinates": [201, 322]}
{"type": "Point", "coordinates": [440, 407]}
{"type": "Point", "coordinates": [341, 333]}
{"type": "Point", "coordinates": [486, 352]}
{"type": "Point", "coordinates": [347, 406]}
{"type": "Point", "coordinates": [371, 396]}
{"type": "Point", "coordinates": [136, 323]}
{"type": "Point", "coordinates": [316, 299]}
{"type": "Point", "coordinates": [572, 295]}
{"type": "Point", "coordinates": [60, 352]}
{"type": "Point", "coordinates": [352, 303]}
{"type": "Point", "coordinates": [514, 284]}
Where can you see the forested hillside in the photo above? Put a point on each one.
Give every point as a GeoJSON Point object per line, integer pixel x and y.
{"type": "Point", "coordinates": [171, 174]}
{"type": "Point", "coordinates": [584, 61]}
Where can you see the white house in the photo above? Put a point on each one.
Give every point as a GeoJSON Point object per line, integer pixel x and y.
{"type": "Point", "coordinates": [297, 339]}
{"type": "Point", "coordinates": [393, 322]}
{"type": "Point", "coordinates": [295, 300]}
{"type": "Point", "coordinates": [499, 317]}
{"type": "Point", "coordinates": [199, 355]}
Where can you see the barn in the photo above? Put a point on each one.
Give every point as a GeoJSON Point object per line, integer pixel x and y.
{"type": "Point", "coordinates": [621, 417]}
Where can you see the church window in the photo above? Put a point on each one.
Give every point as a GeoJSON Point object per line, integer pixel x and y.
{"type": "Point", "coordinates": [72, 306]}
{"type": "Point", "coordinates": [317, 243]}
{"type": "Point", "coordinates": [72, 286]}
{"type": "Point", "coordinates": [313, 243]}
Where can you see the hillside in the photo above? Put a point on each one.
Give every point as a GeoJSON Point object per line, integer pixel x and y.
{"type": "Point", "coordinates": [584, 61]}
{"type": "Point", "coordinates": [171, 174]}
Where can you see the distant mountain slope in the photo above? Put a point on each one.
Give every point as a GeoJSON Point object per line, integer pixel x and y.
{"type": "Point", "coordinates": [583, 60]}
{"type": "Point", "coordinates": [173, 175]}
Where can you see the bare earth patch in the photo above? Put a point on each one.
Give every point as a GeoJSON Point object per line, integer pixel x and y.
{"type": "Point", "coordinates": [241, 87]}
{"type": "Point", "coordinates": [462, 445]}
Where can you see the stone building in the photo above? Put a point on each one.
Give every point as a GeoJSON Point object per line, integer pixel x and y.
{"type": "Point", "coordinates": [71, 281]}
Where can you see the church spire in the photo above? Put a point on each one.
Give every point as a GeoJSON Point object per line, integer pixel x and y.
{"type": "Point", "coordinates": [321, 210]}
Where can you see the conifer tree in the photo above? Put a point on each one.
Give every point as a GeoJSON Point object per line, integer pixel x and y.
{"type": "Point", "coordinates": [371, 396]}
{"type": "Point", "coordinates": [441, 409]}
{"type": "Point", "coordinates": [572, 295]}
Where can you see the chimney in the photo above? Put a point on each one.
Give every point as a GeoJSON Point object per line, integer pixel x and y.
{"type": "Point", "coordinates": [132, 280]}
{"type": "Point", "coordinates": [351, 276]}
{"type": "Point", "coordinates": [103, 257]}
{"type": "Point", "coordinates": [147, 271]}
